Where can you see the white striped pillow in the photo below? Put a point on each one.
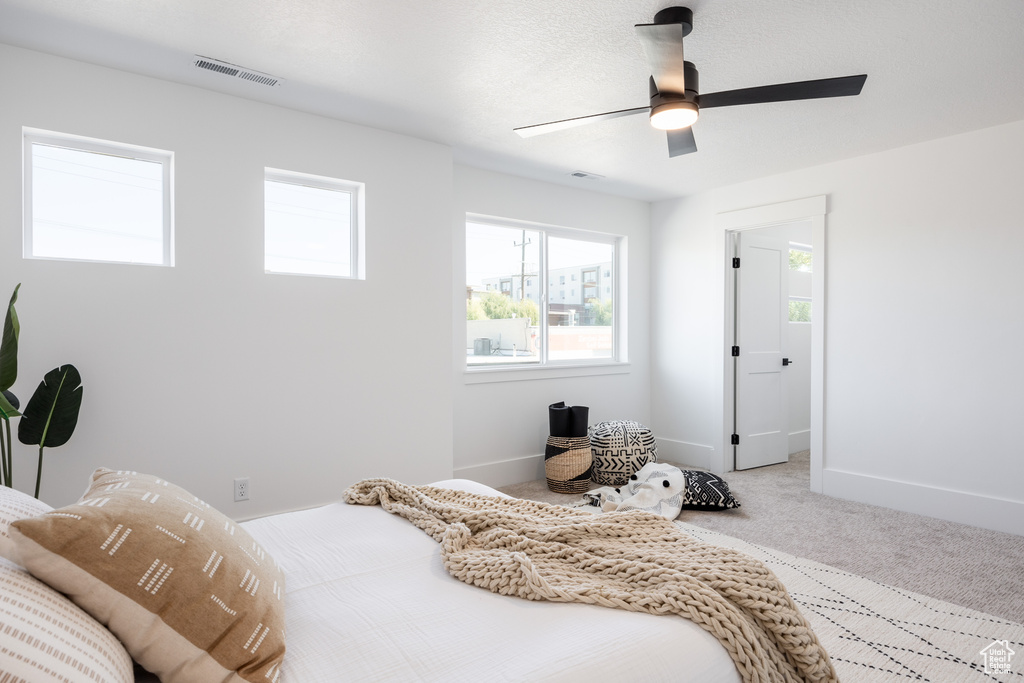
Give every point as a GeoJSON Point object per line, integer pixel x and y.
{"type": "Point", "coordinates": [15, 505]}
{"type": "Point", "coordinates": [44, 636]}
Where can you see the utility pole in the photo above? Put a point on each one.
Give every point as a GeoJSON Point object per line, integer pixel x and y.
{"type": "Point", "coordinates": [522, 266]}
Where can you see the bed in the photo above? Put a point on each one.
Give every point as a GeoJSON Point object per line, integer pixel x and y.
{"type": "Point", "coordinates": [366, 598]}
{"type": "Point", "coordinates": [353, 593]}
{"type": "Point", "coordinates": [369, 596]}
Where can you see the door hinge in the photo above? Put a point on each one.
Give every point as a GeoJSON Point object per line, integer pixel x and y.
{"type": "Point", "coordinates": [736, 262]}
{"type": "Point", "coordinates": [735, 350]}
{"type": "Point", "coordinates": [735, 439]}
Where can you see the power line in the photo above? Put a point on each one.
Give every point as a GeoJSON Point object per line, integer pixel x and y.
{"type": "Point", "coordinates": [91, 228]}
{"type": "Point", "coordinates": [102, 180]}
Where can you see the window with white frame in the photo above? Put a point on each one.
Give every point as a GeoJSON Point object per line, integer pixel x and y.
{"type": "Point", "coordinates": [96, 200]}
{"type": "Point", "coordinates": [799, 309]}
{"type": "Point", "coordinates": [528, 322]}
{"type": "Point", "coordinates": [801, 258]}
{"type": "Point", "coordinates": [801, 262]}
{"type": "Point", "coordinates": [313, 225]}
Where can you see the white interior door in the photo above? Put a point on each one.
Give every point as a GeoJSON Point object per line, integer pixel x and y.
{"type": "Point", "coordinates": [762, 315]}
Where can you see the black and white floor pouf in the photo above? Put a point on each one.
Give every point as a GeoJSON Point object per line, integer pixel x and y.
{"type": "Point", "coordinates": [620, 448]}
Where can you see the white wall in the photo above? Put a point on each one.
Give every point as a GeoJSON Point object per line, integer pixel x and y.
{"type": "Point", "coordinates": [501, 427]}
{"type": "Point", "coordinates": [799, 386]}
{"type": "Point", "coordinates": [211, 369]}
{"type": "Point", "coordinates": [925, 304]}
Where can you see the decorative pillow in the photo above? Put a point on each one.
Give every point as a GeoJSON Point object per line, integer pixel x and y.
{"type": "Point", "coordinates": [706, 491]}
{"type": "Point", "coordinates": [16, 505]}
{"type": "Point", "coordinates": [189, 592]}
{"type": "Point", "coordinates": [48, 639]}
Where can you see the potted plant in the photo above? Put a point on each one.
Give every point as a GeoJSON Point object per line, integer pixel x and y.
{"type": "Point", "coordinates": [49, 418]}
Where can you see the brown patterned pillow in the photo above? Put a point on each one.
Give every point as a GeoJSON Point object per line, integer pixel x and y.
{"type": "Point", "coordinates": [189, 592]}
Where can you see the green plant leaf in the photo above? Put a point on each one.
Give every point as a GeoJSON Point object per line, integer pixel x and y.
{"type": "Point", "coordinates": [9, 345]}
{"type": "Point", "coordinates": [8, 405]}
{"type": "Point", "coordinates": [51, 414]}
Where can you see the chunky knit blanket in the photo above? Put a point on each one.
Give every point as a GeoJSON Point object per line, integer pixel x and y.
{"type": "Point", "coordinates": [629, 560]}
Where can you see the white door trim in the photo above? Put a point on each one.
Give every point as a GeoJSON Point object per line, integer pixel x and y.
{"type": "Point", "coordinates": [814, 210]}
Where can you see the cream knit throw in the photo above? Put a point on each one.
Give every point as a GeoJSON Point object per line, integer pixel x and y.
{"type": "Point", "coordinates": [630, 560]}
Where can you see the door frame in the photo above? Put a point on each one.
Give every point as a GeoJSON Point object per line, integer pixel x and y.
{"type": "Point", "coordinates": [812, 210]}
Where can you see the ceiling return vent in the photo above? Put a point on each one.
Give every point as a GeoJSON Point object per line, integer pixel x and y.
{"type": "Point", "coordinates": [235, 71]}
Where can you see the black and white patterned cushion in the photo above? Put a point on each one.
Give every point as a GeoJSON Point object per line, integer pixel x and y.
{"type": "Point", "coordinates": [707, 491]}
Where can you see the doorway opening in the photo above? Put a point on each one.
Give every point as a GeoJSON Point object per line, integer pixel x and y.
{"type": "Point", "coordinates": [766, 353]}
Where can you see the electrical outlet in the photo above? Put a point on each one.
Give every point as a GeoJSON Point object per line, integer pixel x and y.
{"type": "Point", "coordinates": [242, 488]}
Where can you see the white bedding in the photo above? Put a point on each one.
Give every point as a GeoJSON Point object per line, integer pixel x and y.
{"type": "Point", "coordinates": [368, 599]}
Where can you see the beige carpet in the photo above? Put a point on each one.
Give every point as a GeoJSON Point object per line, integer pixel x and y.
{"type": "Point", "coordinates": [963, 565]}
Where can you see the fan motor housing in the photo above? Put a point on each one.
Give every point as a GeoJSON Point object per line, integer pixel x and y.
{"type": "Point", "coordinates": [676, 15]}
{"type": "Point", "coordinates": [692, 80]}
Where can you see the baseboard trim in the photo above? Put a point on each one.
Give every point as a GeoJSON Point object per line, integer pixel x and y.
{"type": "Point", "coordinates": [686, 453]}
{"type": "Point", "coordinates": [504, 472]}
{"type": "Point", "coordinates": [799, 441]}
{"type": "Point", "coordinates": [531, 467]}
{"type": "Point", "coordinates": [998, 514]}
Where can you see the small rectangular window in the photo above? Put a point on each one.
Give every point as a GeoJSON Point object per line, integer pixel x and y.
{"type": "Point", "coordinates": [800, 258]}
{"type": "Point", "coordinates": [95, 200]}
{"type": "Point", "coordinates": [313, 225]}
{"type": "Point", "coordinates": [799, 310]}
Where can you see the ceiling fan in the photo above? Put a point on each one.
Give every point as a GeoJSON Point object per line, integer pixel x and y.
{"type": "Point", "coordinates": [675, 98]}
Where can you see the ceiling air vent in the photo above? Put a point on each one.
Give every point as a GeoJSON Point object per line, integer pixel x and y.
{"type": "Point", "coordinates": [235, 71]}
{"type": "Point", "coordinates": [584, 174]}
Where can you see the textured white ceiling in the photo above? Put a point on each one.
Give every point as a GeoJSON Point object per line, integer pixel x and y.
{"type": "Point", "coordinates": [466, 72]}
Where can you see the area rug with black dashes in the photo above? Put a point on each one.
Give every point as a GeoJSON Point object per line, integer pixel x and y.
{"type": "Point", "coordinates": [875, 632]}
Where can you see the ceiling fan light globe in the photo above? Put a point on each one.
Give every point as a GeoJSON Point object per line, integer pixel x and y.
{"type": "Point", "coordinates": [674, 115]}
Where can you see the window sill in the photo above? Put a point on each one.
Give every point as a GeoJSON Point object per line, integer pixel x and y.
{"type": "Point", "coordinates": [520, 374]}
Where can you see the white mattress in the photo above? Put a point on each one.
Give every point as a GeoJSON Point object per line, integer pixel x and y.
{"type": "Point", "coordinates": [368, 599]}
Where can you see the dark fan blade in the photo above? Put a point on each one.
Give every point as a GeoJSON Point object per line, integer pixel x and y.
{"type": "Point", "coordinates": [681, 142]}
{"type": "Point", "coordinates": [784, 92]}
{"type": "Point", "coordinates": [537, 129]}
{"type": "Point", "coordinates": [663, 45]}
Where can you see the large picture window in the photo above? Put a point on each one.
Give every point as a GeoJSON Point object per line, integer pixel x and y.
{"type": "Point", "coordinates": [95, 200]}
{"type": "Point", "coordinates": [539, 295]}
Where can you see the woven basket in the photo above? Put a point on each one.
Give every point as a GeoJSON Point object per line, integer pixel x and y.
{"type": "Point", "coordinates": [567, 464]}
